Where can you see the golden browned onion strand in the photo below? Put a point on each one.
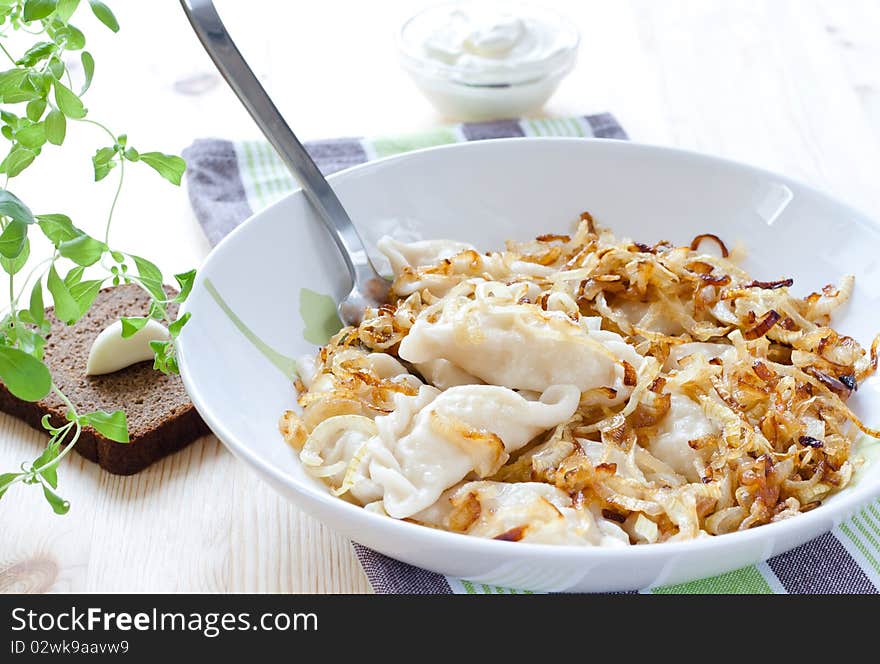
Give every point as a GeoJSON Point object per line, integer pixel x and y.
{"type": "Point", "coordinates": [785, 434]}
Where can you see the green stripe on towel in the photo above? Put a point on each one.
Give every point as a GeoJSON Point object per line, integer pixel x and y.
{"type": "Point", "coordinates": [747, 580]}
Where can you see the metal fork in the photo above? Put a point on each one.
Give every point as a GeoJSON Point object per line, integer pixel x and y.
{"type": "Point", "coordinates": [369, 288]}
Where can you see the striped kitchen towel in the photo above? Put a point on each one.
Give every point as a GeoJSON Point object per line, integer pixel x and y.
{"type": "Point", "coordinates": [229, 181]}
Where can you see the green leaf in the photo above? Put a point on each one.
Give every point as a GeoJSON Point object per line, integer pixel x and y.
{"type": "Point", "coordinates": [48, 456]}
{"type": "Point", "coordinates": [50, 474]}
{"type": "Point", "coordinates": [24, 375]}
{"type": "Point", "coordinates": [11, 206]}
{"type": "Point", "coordinates": [88, 63]}
{"type": "Point", "coordinates": [131, 154]}
{"type": "Point", "coordinates": [168, 166]}
{"type": "Point", "coordinates": [58, 228]}
{"type": "Point", "coordinates": [13, 238]}
{"type": "Point", "coordinates": [5, 479]}
{"type": "Point", "coordinates": [59, 505]}
{"type": "Point", "coordinates": [32, 136]}
{"type": "Point", "coordinates": [23, 314]}
{"type": "Point", "coordinates": [68, 103]}
{"type": "Point", "coordinates": [111, 425]}
{"type": "Point", "coordinates": [73, 277]}
{"type": "Point", "coordinates": [104, 14]}
{"type": "Point", "coordinates": [10, 118]}
{"type": "Point", "coordinates": [164, 359]}
{"type": "Point", "coordinates": [36, 308]}
{"type": "Point", "coordinates": [103, 155]}
{"type": "Point", "coordinates": [56, 68]}
{"type": "Point", "coordinates": [36, 53]}
{"type": "Point", "coordinates": [65, 9]}
{"type": "Point", "coordinates": [185, 281]}
{"type": "Point", "coordinates": [14, 265]}
{"type": "Point", "coordinates": [175, 327]}
{"type": "Point", "coordinates": [101, 170]}
{"type": "Point", "coordinates": [56, 127]}
{"type": "Point", "coordinates": [84, 294]}
{"type": "Point", "coordinates": [83, 250]}
{"type": "Point", "coordinates": [46, 421]}
{"type": "Point", "coordinates": [103, 162]}
{"type": "Point", "coordinates": [40, 81]}
{"type": "Point", "coordinates": [34, 109]}
{"type": "Point", "coordinates": [156, 311]}
{"type": "Point", "coordinates": [150, 276]}
{"type": "Point", "coordinates": [130, 326]}
{"type": "Point", "coordinates": [66, 307]}
{"type": "Point", "coordinates": [16, 86]}
{"type": "Point", "coordinates": [29, 341]}
{"type": "Point", "coordinates": [37, 9]}
{"type": "Point", "coordinates": [18, 159]}
{"type": "Point", "coordinates": [72, 36]}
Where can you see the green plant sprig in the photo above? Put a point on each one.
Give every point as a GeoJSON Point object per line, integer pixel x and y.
{"type": "Point", "coordinates": [37, 106]}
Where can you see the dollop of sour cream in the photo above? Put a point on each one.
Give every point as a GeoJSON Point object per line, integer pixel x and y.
{"type": "Point", "coordinates": [111, 352]}
{"type": "Point", "coordinates": [489, 44]}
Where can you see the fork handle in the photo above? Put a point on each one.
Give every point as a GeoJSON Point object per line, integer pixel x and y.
{"type": "Point", "coordinates": [229, 61]}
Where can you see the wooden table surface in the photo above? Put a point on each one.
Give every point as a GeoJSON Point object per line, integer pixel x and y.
{"type": "Point", "coordinates": [789, 85]}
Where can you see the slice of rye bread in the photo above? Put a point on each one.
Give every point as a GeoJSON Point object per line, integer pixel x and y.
{"type": "Point", "coordinates": [161, 418]}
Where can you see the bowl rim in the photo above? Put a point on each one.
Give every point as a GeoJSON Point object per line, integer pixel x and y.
{"type": "Point", "coordinates": [844, 504]}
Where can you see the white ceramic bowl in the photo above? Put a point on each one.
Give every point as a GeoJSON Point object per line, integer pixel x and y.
{"type": "Point", "coordinates": [483, 193]}
{"type": "Point", "coordinates": [474, 95]}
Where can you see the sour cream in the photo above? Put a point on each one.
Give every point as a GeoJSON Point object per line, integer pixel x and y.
{"type": "Point", "coordinates": [489, 46]}
{"type": "Point", "coordinates": [111, 351]}
{"type": "Point", "coordinates": [488, 58]}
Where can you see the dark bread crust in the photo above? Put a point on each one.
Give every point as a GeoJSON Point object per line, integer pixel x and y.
{"type": "Point", "coordinates": [161, 418]}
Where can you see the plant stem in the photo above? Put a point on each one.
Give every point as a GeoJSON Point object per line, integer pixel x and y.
{"type": "Point", "coordinates": [5, 486]}
{"type": "Point", "coordinates": [115, 198]}
{"type": "Point", "coordinates": [63, 397]}
{"type": "Point", "coordinates": [162, 307]}
{"type": "Point", "coordinates": [12, 298]}
{"type": "Point", "coordinates": [121, 177]}
{"type": "Point", "coordinates": [74, 423]}
{"type": "Point", "coordinates": [8, 55]}
{"type": "Point", "coordinates": [31, 274]}
{"type": "Point", "coordinates": [98, 124]}
{"type": "Point", "coordinates": [69, 446]}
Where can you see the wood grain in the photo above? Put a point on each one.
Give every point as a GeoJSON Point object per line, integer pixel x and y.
{"type": "Point", "coordinates": [790, 85]}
